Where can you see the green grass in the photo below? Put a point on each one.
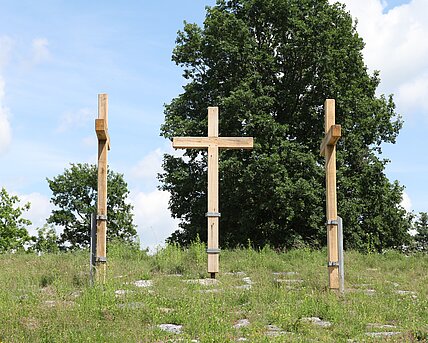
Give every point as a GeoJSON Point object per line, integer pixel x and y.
{"type": "Point", "coordinates": [49, 299]}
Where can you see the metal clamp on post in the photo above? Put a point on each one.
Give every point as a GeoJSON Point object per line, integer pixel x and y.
{"type": "Point", "coordinates": [332, 222]}
{"type": "Point", "coordinates": [101, 259]}
{"type": "Point", "coordinates": [333, 264]}
{"type": "Point", "coordinates": [212, 214]}
{"type": "Point", "coordinates": [101, 217]}
{"type": "Point", "coordinates": [213, 251]}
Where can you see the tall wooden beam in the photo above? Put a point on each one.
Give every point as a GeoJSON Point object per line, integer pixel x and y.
{"type": "Point", "coordinates": [328, 149]}
{"type": "Point", "coordinates": [213, 218]}
{"type": "Point", "coordinates": [101, 129]}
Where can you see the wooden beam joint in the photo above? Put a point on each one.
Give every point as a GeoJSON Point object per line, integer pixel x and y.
{"type": "Point", "coordinates": [102, 131]}
{"type": "Point", "coordinates": [331, 138]}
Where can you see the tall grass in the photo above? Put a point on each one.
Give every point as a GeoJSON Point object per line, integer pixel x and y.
{"type": "Point", "coordinates": [48, 298]}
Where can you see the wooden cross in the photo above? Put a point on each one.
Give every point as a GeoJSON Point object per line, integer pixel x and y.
{"type": "Point", "coordinates": [213, 142]}
{"type": "Point", "coordinates": [101, 129]}
{"type": "Point", "coordinates": [328, 149]}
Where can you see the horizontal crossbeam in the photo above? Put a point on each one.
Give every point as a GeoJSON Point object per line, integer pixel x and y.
{"type": "Point", "coordinates": [205, 142]}
{"type": "Point", "coordinates": [331, 138]}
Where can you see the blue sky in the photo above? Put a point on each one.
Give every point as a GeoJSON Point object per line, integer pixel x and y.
{"type": "Point", "coordinates": [56, 56]}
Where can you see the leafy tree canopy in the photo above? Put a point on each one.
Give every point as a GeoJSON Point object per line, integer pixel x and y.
{"type": "Point", "coordinates": [421, 226]}
{"type": "Point", "coordinates": [269, 65]}
{"type": "Point", "coordinates": [75, 196]}
{"type": "Point", "coordinates": [13, 232]}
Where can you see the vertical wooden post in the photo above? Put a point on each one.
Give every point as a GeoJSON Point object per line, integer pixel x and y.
{"type": "Point", "coordinates": [331, 198]}
{"type": "Point", "coordinates": [213, 209]}
{"type": "Point", "coordinates": [101, 128]}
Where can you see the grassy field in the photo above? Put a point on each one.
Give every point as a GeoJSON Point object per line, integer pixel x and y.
{"type": "Point", "coordinates": [259, 296]}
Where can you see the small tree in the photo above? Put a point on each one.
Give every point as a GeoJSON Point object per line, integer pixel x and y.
{"type": "Point", "coordinates": [46, 240]}
{"type": "Point", "coordinates": [13, 232]}
{"type": "Point", "coordinates": [75, 194]}
{"type": "Point", "coordinates": [421, 227]}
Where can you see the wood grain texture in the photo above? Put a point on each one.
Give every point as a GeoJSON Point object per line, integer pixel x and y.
{"type": "Point", "coordinates": [205, 142]}
{"type": "Point", "coordinates": [331, 196]}
{"type": "Point", "coordinates": [101, 128]}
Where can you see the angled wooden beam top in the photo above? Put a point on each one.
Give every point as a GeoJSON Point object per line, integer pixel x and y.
{"type": "Point", "coordinates": [331, 138]}
{"type": "Point", "coordinates": [102, 131]}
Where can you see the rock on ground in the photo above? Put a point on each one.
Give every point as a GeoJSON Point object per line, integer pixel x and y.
{"type": "Point", "coordinates": [317, 321]}
{"type": "Point", "coordinates": [241, 323]}
{"type": "Point", "coordinates": [171, 328]}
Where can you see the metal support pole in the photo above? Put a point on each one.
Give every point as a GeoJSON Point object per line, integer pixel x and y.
{"type": "Point", "coordinates": [341, 259]}
{"type": "Point", "coordinates": [93, 248]}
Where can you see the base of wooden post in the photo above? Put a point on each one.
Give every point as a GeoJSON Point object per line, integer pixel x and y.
{"type": "Point", "coordinates": [101, 271]}
{"type": "Point", "coordinates": [212, 275]}
{"type": "Point", "coordinates": [333, 274]}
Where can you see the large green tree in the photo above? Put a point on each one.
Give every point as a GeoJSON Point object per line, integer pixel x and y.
{"type": "Point", "coordinates": [13, 227]}
{"type": "Point", "coordinates": [75, 196]}
{"type": "Point", "coordinates": [269, 65]}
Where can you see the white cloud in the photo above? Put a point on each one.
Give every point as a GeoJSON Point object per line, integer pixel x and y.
{"type": "Point", "coordinates": [5, 127]}
{"type": "Point", "coordinates": [406, 202]}
{"type": "Point", "coordinates": [152, 217]}
{"type": "Point", "coordinates": [77, 118]}
{"type": "Point", "coordinates": [40, 51]}
{"type": "Point", "coordinates": [39, 211]}
{"type": "Point", "coordinates": [147, 169]}
{"type": "Point", "coordinates": [412, 95]}
{"type": "Point", "coordinates": [396, 45]}
{"type": "Point", "coordinates": [149, 166]}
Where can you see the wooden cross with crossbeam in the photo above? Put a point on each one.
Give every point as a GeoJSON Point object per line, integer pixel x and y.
{"type": "Point", "coordinates": [101, 129]}
{"type": "Point", "coordinates": [328, 150]}
{"type": "Point", "coordinates": [213, 142]}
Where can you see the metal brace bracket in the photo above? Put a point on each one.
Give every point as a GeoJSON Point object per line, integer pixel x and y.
{"type": "Point", "coordinates": [101, 259]}
{"type": "Point", "coordinates": [333, 264]}
{"type": "Point", "coordinates": [332, 222]}
{"type": "Point", "coordinates": [101, 217]}
{"type": "Point", "coordinates": [212, 214]}
{"type": "Point", "coordinates": [213, 251]}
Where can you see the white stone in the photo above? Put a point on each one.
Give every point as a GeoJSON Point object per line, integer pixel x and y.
{"type": "Point", "coordinates": [245, 287]}
{"type": "Point", "coordinates": [405, 292]}
{"type": "Point", "coordinates": [289, 281]}
{"type": "Point", "coordinates": [203, 282]}
{"type": "Point", "coordinates": [247, 280]}
{"type": "Point", "coordinates": [171, 328]}
{"type": "Point", "coordinates": [273, 331]}
{"type": "Point", "coordinates": [143, 283]}
{"type": "Point", "coordinates": [241, 323]}
{"type": "Point", "coordinates": [317, 321]}
{"type": "Point", "coordinates": [382, 334]}
{"type": "Point", "coordinates": [213, 290]}
{"type": "Point", "coordinates": [380, 326]}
